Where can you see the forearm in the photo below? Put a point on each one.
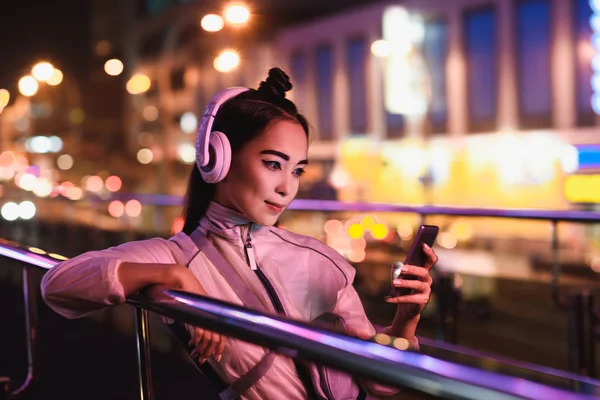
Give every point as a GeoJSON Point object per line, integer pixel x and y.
{"type": "Point", "coordinates": [136, 276]}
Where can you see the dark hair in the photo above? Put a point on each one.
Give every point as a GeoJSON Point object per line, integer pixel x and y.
{"type": "Point", "coordinates": [242, 119]}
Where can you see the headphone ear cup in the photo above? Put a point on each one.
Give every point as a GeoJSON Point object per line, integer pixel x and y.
{"type": "Point", "coordinates": [219, 158]}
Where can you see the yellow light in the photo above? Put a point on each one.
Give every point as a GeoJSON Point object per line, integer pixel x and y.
{"type": "Point", "coordinates": [28, 86]}
{"type": "Point", "coordinates": [42, 71]}
{"type": "Point", "coordinates": [4, 97]}
{"type": "Point", "coordinates": [56, 78]}
{"type": "Point", "coordinates": [379, 231]}
{"type": "Point", "coordinates": [447, 240]}
{"type": "Point", "coordinates": [36, 250]}
{"type": "Point", "coordinates": [400, 344]}
{"type": "Point", "coordinates": [237, 14]}
{"type": "Point", "coordinates": [368, 222]}
{"type": "Point", "coordinates": [383, 339]}
{"type": "Point", "coordinates": [57, 256]}
{"type": "Point", "coordinates": [212, 23]}
{"type": "Point", "coordinates": [356, 231]}
{"type": "Point", "coordinates": [582, 188]}
{"type": "Point", "coordinates": [138, 83]}
{"type": "Point", "coordinates": [381, 48]}
{"type": "Point", "coordinates": [113, 67]}
{"type": "Point", "coordinates": [226, 61]}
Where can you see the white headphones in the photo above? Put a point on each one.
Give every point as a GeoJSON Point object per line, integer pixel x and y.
{"type": "Point", "coordinates": [213, 151]}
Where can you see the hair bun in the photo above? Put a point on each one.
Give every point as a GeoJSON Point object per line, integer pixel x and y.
{"type": "Point", "coordinates": [277, 83]}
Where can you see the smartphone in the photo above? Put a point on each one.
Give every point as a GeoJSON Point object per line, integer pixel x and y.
{"type": "Point", "coordinates": [416, 255]}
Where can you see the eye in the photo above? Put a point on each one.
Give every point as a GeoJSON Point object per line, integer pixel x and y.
{"type": "Point", "coordinates": [272, 165]}
{"type": "Point", "coordinates": [299, 172]}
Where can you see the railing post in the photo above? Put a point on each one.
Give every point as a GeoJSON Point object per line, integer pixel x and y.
{"type": "Point", "coordinates": [581, 335]}
{"type": "Point", "coordinates": [143, 354]}
{"type": "Point", "coordinates": [555, 270]}
{"type": "Point", "coordinates": [446, 308]}
{"type": "Point", "coordinates": [29, 305]}
{"type": "Point", "coordinates": [5, 392]}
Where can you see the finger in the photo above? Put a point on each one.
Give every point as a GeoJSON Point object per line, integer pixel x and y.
{"type": "Point", "coordinates": [418, 298]}
{"type": "Point", "coordinates": [196, 336]}
{"type": "Point", "coordinates": [216, 338]}
{"type": "Point", "coordinates": [432, 258]}
{"type": "Point", "coordinates": [419, 286]}
{"type": "Point", "coordinates": [204, 342]}
{"type": "Point", "coordinates": [220, 349]}
{"type": "Point", "coordinates": [412, 270]}
{"type": "Point", "coordinates": [358, 333]}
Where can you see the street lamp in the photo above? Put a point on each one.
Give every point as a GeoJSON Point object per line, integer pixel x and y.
{"type": "Point", "coordinates": [28, 86]}
{"type": "Point", "coordinates": [226, 61]}
{"type": "Point", "coordinates": [237, 14]}
{"type": "Point", "coordinates": [138, 83]}
{"type": "Point", "coordinates": [4, 98]}
{"type": "Point", "coordinates": [56, 78]}
{"type": "Point", "coordinates": [113, 67]}
{"type": "Point", "coordinates": [212, 23]}
{"type": "Point", "coordinates": [42, 71]}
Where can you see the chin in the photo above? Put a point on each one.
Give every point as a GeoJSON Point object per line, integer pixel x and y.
{"type": "Point", "coordinates": [265, 220]}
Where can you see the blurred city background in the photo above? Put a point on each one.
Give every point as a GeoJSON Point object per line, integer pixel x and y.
{"type": "Point", "coordinates": [486, 104]}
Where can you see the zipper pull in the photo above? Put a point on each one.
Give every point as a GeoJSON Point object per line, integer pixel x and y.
{"type": "Point", "coordinates": [250, 252]}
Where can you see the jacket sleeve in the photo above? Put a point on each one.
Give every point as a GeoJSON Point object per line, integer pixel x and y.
{"type": "Point", "coordinates": [89, 282]}
{"type": "Point", "coordinates": [349, 307]}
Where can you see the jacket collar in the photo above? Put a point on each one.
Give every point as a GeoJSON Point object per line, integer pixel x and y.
{"type": "Point", "coordinates": [225, 222]}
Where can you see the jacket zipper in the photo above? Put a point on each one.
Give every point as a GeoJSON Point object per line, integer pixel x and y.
{"type": "Point", "coordinates": [279, 308]}
{"type": "Point", "coordinates": [250, 250]}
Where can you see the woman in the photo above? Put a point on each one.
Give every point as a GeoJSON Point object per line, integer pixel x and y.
{"type": "Point", "coordinates": [252, 149]}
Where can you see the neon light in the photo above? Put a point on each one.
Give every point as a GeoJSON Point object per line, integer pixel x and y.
{"type": "Point", "coordinates": [595, 39]}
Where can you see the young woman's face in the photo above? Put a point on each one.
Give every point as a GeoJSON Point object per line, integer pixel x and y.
{"type": "Point", "coordinates": [264, 176]}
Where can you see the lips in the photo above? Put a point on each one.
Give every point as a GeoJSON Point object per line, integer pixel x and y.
{"type": "Point", "coordinates": [275, 206]}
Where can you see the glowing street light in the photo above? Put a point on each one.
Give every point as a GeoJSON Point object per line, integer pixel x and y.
{"type": "Point", "coordinates": [138, 83]}
{"type": "Point", "coordinates": [4, 97]}
{"type": "Point", "coordinates": [56, 78]}
{"type": "Point", "coordinates": [237, 14]}
{"type": "Point", "coordinates": [42, 71]}
{"type": "Point", "coordinates": [28, 86]}
{"type": "Point", "coordinates": [212, 23]}
{"type": "Point", "coordinates": [113, 67]}
{"type": "Point", "coordinates": [226, 61]}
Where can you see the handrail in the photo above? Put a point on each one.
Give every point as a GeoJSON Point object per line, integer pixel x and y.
{"type": "Point", "coordinates": [297, 339]}
{"type": "Point", "coordinates": [370, 360]}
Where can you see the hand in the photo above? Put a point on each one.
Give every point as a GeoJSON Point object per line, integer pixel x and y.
{"type": "Point", "coordinates": [411, 305]}
{"type": "Point", "coordinates": [359, 333]}
{"type": "Point", "coordinates": [204, 342]}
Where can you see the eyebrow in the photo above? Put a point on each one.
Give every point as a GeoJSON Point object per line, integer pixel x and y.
{"type": "Point", "coordinates": [282, 156]}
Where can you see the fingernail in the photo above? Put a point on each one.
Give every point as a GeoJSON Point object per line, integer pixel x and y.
{"type": "Point", "coordinates": [397, 282]}
{"type": "Point", "coordinates": [218, 358]}
{"type": "Point", "coordinates": [426, 246]}
{"type": "Point", "coordinates": [203, 360]}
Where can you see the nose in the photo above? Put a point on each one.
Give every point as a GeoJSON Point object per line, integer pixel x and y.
{"type": "Point", "coordinates": [285, 186]}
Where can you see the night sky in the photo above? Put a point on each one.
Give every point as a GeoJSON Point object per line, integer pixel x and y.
{"type": "Point", "coordinates": [33, 30]}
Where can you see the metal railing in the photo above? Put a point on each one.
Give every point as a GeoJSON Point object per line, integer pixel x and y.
{"type": "Point", "coordinates": [581, 315]}
{"type": "Point", "coordinates": [296, 339]}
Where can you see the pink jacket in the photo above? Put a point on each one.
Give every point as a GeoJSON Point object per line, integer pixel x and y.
{"type": "Point", "coordinates": [309, 277]}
